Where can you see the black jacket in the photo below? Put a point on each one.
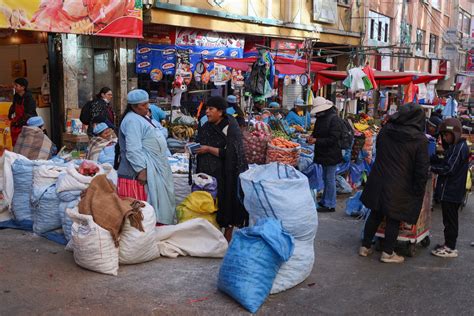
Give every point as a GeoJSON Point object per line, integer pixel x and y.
{"type": "Point", "coordinates": [452, 171]}
{"type": "Point", "coordinates": [396, 184]}
{"type": "Point", "coordinates": [29, 104]}
{"type": "Point", "coordinates": [327, 131]}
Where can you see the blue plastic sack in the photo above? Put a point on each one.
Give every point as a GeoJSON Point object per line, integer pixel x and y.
{"type": "Point", "coordinates": [209, 184]}
{"type": "Point", "coordinates": [342, 186]}
{"type": "Point", "coordinates": [354, 206]}
{"type": "Point", "coordinates": [252, 262]}
{"type": "Point", "coordinates": [22, 181]}
{"type": "Point", "coordinates": [68, 199]}
{"type": "Point", "coordinates": [314, 172]}
{"type": "Point", "coordinates": [46, 215]}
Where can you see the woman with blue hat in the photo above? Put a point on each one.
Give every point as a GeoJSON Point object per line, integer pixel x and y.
{"type": "Point", "coordinates": [144, 172]}
{"type": "Point", "coordinates": [33, 143]}
{"type": "Point", "coordinates": [297, 116]}
{"type": "Point", "coordinates": [102, 145]}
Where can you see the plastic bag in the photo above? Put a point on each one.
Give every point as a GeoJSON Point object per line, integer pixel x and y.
{"type": "Point", "coordinates": [46, 215]}
{"type": "Point", "coordinates": [198, 204]}
{"type": "Point", "coordinates": [252, 262]}
{"type": "Point", "coordinates": [342, 186]}
{"type": "Point", "coordinates": [354, 206]}
{"type": "Point", "coordinates": [204, 182]}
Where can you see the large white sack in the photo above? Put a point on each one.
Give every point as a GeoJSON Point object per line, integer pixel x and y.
{"type": "Point", "coordinates": [8, 159]}
{"type": "Point", "coordinates": [74, 181]}
{"type": "Point", "coordinates": [46, 175]}
{"type": "Point", "coordinates": [94, 248]}
{"type": "Point", "coordinates": [196, 237]}
{"type": "Point", "coordinates": [136, 246]}
{"type": "Point", "coordinates": [181, 187]}
{"type": "Point", "coordinates": [297, 269]}
{"type": "Point", "coordinates": [280, 191]}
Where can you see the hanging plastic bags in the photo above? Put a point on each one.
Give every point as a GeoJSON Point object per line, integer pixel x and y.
{"type": "Point", "coordinates": [252, 262]}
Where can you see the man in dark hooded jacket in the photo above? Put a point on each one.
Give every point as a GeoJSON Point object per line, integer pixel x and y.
{"type": "Point", "coordinates": [396, 185]}
{"type": "Point", "coordinates": [452, 177]}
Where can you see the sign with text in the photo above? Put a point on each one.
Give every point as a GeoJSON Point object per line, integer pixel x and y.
{"type": "Point", "coordinates": [325, 11]}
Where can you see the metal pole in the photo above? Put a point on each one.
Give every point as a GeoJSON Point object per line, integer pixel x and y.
{"type": "Point", "coordinates": [401, 60]}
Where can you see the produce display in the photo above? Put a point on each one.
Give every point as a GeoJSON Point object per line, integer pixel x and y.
{"type": "Point", "coordinates": [255, 146]}
{"type": "Point", "coordinates": [284, 151]}
{"type": "Point", "coordinates": [280, 134]}
{"type": "Point", "coordinates": [182, 132]}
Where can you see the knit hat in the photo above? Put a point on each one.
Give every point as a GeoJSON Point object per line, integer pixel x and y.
{"type": "Point", "coordinates": [321, 104]}
{"type": "Point", "coordinates": [35, 121]}
{"type": "Point", "coordinates": [231, 99]}
{"type": "Point", "coordinates": [299, 102]}
{"type": "Point", "coordinates": [452, 125]}
{"type": "Point", "coordinates": [99, 128]}
{"type": "Point", "coordinates": [137, 96]}
{"type": "Point", "coordinates": [435, 121]}
{"type": "Point", "coordinates": [217, 102]}
{"type": "Point", "coordinates": [22, 82]}
{"type": "Point", "coordinates": [274, 105]}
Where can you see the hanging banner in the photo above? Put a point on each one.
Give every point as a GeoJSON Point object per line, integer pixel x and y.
{"type": "Point", "coordinates": [163, 57]}
{"type": "Point", "coordinates": [116, 18]}
{"type": "Point", "coordinates": [191, 37]}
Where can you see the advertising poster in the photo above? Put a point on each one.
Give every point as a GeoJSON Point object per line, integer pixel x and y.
{"type": "Point", "coordinates": [116, 18]}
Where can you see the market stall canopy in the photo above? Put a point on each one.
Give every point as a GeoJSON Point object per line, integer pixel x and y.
{"type": "Point", "coordinates": [385, 78]}
{"type": "Point", "coordinates": [95, 17]}
{"type": "Point", "coordinates": [283, 65]}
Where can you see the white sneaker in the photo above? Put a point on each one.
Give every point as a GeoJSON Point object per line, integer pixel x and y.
{"type": "Point", "coordinates": [445, 252]}
{"type": "Point", "coordinates": [365, 252]}
{"type": "Point", "coordinates": [393, 258]}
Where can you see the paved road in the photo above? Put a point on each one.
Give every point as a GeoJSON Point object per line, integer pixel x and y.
{"type": "Point", "coordinates": [39, 277]}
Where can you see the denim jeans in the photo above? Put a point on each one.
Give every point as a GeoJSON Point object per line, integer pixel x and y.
{"type": "Point", "coordinates": [329, 193]}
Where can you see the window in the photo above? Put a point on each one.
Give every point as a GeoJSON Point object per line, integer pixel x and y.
{"type": "Point", "coordinates": [408, 34]}
{"type": "Point", "coordinates": [436, 4]}
{"type": "Point", "coordinates": [420, 36]}
{"type": "Point", "coordinates": [343, 2]}
{"type": "Point", "coordinates": [433, 43]}
{"type": "Point", "coordinates": [372, 25]}
{"type": "Point", "coordinates": [386, 33]}
{"type": "Point", "coordinates": [379, 32]}
{"type": "Point", "coordinates": [466, 24]}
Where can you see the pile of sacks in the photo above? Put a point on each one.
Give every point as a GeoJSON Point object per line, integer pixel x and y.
{"type": "Point", "coordinates": [281, 206]}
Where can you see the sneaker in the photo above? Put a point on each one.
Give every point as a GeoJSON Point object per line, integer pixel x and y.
{"type": "Point", "coordinates": [365, 252]}
{"type": "Point", "coordinates": [393, 258]}
{"type": "Point", "coordinates": [324, 209]}
{"type": "Point", "coordinates": [445, 252]}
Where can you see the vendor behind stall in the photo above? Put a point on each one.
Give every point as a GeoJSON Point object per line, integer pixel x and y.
{"type": "Point", "coordinates": [297, 115]}
{"type": "Point", "coordinates": [33, 142]}
{"type": "Point", "coordinates": [102, 145]}
{"type": "Point", "coordinates": [23, 107]}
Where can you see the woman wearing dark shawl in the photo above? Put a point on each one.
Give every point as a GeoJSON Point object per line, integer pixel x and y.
{"type": "Point", "coordinates": [222, 156]}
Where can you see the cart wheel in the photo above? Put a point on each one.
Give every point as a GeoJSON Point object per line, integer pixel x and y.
{"type": "Point", "coordinates": [411, 250]}
{"type": "Point", "coordinates": [425, 242]}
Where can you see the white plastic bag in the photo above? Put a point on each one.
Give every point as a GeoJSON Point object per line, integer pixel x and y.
{"type": "Point", "coordinates": [94, 248]}
{"type": "Point", "coordinates": [136, 246]}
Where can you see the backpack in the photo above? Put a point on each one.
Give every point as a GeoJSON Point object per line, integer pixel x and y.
{"type": "Point", "coordinates": [347, 133]}
{"type": "Point", "coordinates": [85, 116]}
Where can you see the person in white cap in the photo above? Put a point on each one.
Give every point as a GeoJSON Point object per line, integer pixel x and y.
{"type": "Point", "coordinates": [32, 142]}
{"type": "Point", "coordinates": [327, 149]}
{"type": "Point", "coordinates": [144, 172]}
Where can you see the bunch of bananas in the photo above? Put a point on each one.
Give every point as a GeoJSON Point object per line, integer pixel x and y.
{"type": "Point", "coordinates": [182, 132]}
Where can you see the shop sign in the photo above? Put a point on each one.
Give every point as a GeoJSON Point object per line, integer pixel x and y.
{"type": "Point", "coordinates": [304, 80]}
{"type": "Point", "coordinates": [103, 18]}
{"type": "Point", "coordinates": [450, 52]}
{"type": "Point", "coordinates": [167, 57]}
{"type": "Point", "coordinates": [325, 11]}
{"type": "Point", "coordinates": [187, 37]}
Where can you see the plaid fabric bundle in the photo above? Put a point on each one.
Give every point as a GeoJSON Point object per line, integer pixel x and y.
{"type": "Point", "coordinates": [96, 145]}
{"type": "Point", "coordinates": [33, 144]}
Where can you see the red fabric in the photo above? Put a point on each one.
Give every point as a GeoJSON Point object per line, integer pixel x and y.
{"type": "Point", "coordinates": [411, 91]}
{"type": "Point", "coordinates": [132, 189]}
{"type": "Point", "coordinates": [15, 126]}
{"type": "Point", "coordinates": [370, 74]}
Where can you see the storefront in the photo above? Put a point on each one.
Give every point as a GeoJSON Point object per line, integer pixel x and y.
{"type": "Point", "coordinates": [67, 54]}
